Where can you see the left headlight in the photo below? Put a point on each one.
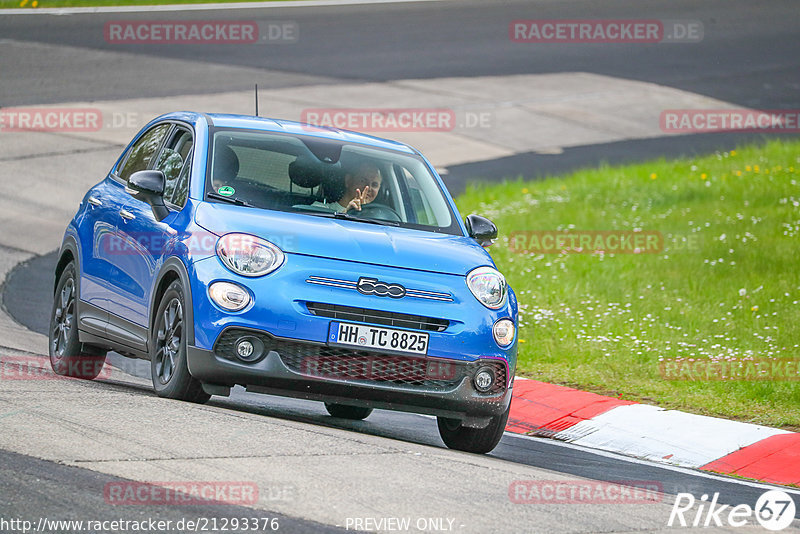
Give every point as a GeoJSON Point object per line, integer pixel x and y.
{"type": "Point", "coordinates": [249, 255]}
{"type": "Point", "coordinates": [488, 286]}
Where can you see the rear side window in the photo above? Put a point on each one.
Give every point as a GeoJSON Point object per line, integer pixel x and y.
{"type": "Point", "coordinates": [173, 162]}
{"type": "Point", "coordinates": [143, 150]}
{"type": "Point", "coordinates": [181, 192]}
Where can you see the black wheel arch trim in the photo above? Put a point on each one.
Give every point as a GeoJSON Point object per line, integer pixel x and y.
{"type": "Point", "coordinates": [172, 267]}
{"type": "Point", "coordinates": [70, 244]}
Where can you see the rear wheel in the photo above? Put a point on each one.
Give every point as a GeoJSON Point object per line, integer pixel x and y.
{"type": "Point", "coordinates": [168, 368]}
{"type": "Point", "coordinates": [477, 440]}
{"type": "Point", "coordinates": [343, 411]}
{"type": "Point", "coordinates": [68, 356]}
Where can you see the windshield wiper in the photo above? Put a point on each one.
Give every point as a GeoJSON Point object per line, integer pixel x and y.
{"type": "Point", "coordinates": [347, 216]}
{"type": "Point", "coordinates": [232, 200]}
{"type": "Point", "coordinates": [330, 214]}
{"type": "Point", "coordinates": [314, 210]}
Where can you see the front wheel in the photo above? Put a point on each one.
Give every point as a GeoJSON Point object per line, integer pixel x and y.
{"type": "Point", "coordinates": [477, 440]}
{"type": "Point", "coordinates": [356, 413]}
{"type": "Point", "coordinates": [68, 356]}
{"type": "Point", "coordinates": [168, 368]}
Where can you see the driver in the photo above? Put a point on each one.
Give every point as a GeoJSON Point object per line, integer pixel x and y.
{"type": "Point", "coordinates": [360, 187]}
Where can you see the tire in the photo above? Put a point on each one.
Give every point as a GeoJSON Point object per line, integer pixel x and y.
{"type": "Point", "coordinates": [168, 368]}
{"type": "Point", "coordinates": [342, 411]}
{"type": "Point", "coordinates": [68, 356]}
{"type": "Point", "coordinates": [477, 440]}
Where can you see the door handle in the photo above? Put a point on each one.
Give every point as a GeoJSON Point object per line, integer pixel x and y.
{"type": "Point", "coordinates": [125, 214]}
{"type": "Point", "coordinates": [94, 201]}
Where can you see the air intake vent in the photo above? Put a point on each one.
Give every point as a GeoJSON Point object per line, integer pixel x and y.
{"type": "Point", "coordinates": [364, 315]}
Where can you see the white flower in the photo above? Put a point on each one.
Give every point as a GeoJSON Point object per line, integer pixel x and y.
{"type": "Point", "coordinates": [742, 292]}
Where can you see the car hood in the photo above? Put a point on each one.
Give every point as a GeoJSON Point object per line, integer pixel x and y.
{"type": "Point", "coordinates": [346, 240]}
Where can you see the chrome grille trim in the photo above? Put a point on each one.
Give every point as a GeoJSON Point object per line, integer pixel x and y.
{"type": "Point", "coordinates": [348, 284]}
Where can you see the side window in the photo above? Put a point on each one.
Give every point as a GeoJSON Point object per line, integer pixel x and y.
{"type": "Point", "coordinates": [143, 151]}
{"type": "Point", "coordinates": [181, 192]}
{"type": "Point", "coordinates": [172, 159]}
{"type": "Point", "coordinates": [419, 204]}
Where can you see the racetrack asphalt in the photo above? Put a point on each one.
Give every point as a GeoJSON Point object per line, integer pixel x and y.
{"type": "Point", "coordinates": [747, 57]}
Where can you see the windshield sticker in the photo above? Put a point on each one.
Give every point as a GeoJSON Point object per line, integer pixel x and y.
{"type": "Point", "coordinates": [226, 191]}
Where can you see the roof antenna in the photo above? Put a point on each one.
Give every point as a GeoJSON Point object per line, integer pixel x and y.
{"type": "Point", "coordinates": [256, 95]}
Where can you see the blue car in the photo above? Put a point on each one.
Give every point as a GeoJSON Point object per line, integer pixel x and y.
{"type": "Point", "coordinates": [292, 260]}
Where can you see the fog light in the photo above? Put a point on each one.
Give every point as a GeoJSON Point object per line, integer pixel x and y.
{"type": "Point", "coordinates": [503, 332]}
{"type": "Point", "coordinates": [249, 348]}
{"type": "Point", "coordinates": [244, 349]}
{"type": "Point", "coordinates": [229, 296]}
{"type": "Point", "coordinates": [484, 379]}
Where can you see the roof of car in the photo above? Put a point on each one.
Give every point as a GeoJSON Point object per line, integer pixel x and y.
{"type": "Point", "coordinates": [279, 125]}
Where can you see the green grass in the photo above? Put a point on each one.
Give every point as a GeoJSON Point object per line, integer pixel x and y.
{"type": "Point", "coordinates": [7, 4]}
{"type": "Point", "coordinates": [726, 285]}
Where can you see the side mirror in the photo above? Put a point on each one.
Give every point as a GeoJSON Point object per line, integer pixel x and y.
{"type": "Point", "coordinates": [481, 229]}
{"type": "Point", "coordinates": [148, 186]}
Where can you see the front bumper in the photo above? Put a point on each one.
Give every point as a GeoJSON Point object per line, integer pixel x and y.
{"type": "Point", "coordinates": [276, 374]}
{"type": "Point", "coordinates": [289, 310]}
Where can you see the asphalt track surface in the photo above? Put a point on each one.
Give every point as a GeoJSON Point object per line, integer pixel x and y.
{"type": "Point", "coordinates": [748, 57]}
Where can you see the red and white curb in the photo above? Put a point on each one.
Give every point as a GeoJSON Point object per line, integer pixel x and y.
{"type": "Point", "coordinates": [655, 434]}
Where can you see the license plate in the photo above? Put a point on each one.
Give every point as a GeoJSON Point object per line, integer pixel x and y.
{"type": "Point", "coordinates": [375, 337]}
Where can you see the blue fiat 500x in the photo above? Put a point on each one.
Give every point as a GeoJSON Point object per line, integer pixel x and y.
{"type": "Point", "coordinates": [292, 260]}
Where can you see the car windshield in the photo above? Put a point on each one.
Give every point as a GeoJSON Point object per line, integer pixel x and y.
{"type": "Point", "coordinates": [326, 178]}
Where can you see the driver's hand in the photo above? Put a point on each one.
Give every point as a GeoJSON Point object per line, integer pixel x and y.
{"type": "Point", "coordinates": [359, 200]}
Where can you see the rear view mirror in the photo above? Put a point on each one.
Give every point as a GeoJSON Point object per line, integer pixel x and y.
{"type": "Point", "coordinates": [481, 229]}
{"type": "Point", "coordinates": [148, 186]}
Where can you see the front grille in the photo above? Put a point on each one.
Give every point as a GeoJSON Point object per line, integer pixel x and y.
{"type": "Point", "coordinates": [354, 365]}
{"type": "Point", "coordinates": [364, 315]}
{"type": "Point", "coordinates": [320, 361]}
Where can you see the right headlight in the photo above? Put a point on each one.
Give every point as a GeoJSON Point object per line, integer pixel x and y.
{"type": "Point", "coordinates": [488, 286]}
{"type": "Point", "coordinates": [248, 255]}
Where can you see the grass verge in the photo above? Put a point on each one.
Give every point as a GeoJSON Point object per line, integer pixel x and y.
{"type": "Point", "coordinates": [722, 289]}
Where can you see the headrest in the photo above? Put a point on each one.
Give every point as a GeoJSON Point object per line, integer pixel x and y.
{"type": "Point", "coordinates": [226, 164]}
{"type": "Point", "coordinates": [306, 173]}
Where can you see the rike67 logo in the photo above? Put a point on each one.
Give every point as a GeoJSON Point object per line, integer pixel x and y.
{"type": "Point", "coordinates": [774, 510]}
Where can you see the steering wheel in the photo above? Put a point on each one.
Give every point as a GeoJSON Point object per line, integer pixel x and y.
{"type": "Point", "coordinates": [377, 211]}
